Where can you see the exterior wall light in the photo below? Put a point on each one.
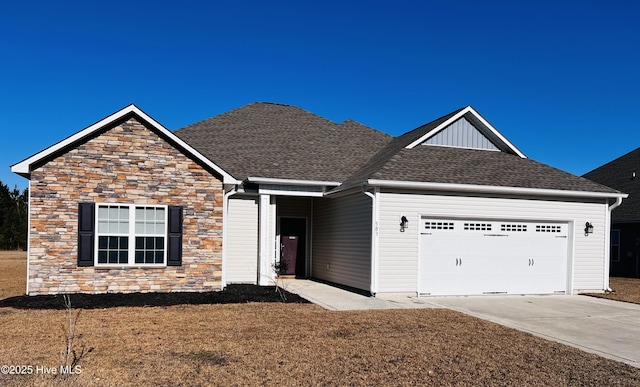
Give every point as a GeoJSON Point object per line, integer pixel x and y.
{"type": "Point", "coordinates": [403, 223]}
{"type": "Point", "coordinates": [588, 229]}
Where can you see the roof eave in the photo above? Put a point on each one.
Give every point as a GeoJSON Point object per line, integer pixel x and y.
{"type": "Point", "coordinates": [275, 181]}
{"type": "Point", "coordinates": [489, 189]}
{"type": "Point", "coordinates": [23, 168]}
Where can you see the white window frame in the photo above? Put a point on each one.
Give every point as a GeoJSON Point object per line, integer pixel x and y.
{"type": "Point", "coordinates": [131, 248]}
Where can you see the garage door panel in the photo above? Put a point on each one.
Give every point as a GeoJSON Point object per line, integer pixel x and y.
{"type": "Point", "coordinates": [464, 257]}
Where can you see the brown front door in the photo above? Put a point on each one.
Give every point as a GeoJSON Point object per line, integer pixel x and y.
{"type": "Point", "coordinates": [288, 257]}
{"type": "Point", "coordinates": [293, 245]}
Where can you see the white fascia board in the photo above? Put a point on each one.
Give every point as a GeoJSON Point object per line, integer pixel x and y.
{"type": "Point", "coordinates": [24, 167]}
{"type": "Point", "coordinates": [489, 189]}
{"type": "Point", "coordinates": [456, 117]}
{"type": "Point", "coordinates": [269, 180]}
{"type": "Point", "coordinates": [278, 192]}
{"type": "Point", "coordinates": [438, 128]}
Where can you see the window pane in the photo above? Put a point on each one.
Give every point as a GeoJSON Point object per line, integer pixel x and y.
{"type": "Point", "coordinates": [113, 228]}
{"type": "Point", "coordinates": [123, 257]}
{"type": "Point", "coordinates": [102, 242]}
{"type": "Point", "coordinates": [113, 243]}
{"type": "Point", "coordinates": [103, 213]}
{"type": "Point", "coordinates": [113, 257]}
{"type": "Point", "coordinates": [160, 243]}
{"type": "Point", "coordinates": [159, 256]}
{"type": "Point", "coordinates": [160, 214]}
{"type": "Point", "coordinates": [139, 257]}
{"type": "Point", "coordinates": [149, 243]}
{"type": "Point", "coordinates": [148, 257]}
{"type": "Point", "coordinates": [113, 213]}
{"type": "Point", "coordinates": [103, 226]}
{"type": "Point", "coordinates": [124, 213]}
{"type": "Point", "coordinates": [102, 257]}
{"type": "Point", "coordinates": [139, 228]}
{"type": "Point", "coordinates": [151, 214]}
{"type": "Point", "coordinates": [160, 228]}
{"type": "Point", "coordinates": [124, 243]}
{"type": "Point", "coordinates": [139, 214]}
{"type": "Point", "coordinates": [139, 243]}
{"type": "Point", "coordinates": [151, 228]}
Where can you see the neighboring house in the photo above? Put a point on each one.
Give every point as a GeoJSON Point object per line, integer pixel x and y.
{"type": "Point", "coordinates": [621, 174]}
{"type": "Point", "coordinates": [451, 207]}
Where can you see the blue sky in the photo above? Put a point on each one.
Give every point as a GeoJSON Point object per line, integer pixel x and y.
{"type": "Point", "coordinates": [560, 79]}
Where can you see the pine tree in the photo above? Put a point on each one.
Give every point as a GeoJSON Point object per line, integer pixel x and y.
{"type": "Point", "coordinates": [13, 218]}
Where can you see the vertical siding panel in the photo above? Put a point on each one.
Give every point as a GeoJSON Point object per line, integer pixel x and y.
{"type": "Point", "coordinates": [342, 240]}
{"type": "Point", "coordinates": [398, 252]}
{"type": "Point", "coordinates": [242, 240]}
{"type": "Point", "coordinates": [462, 134]}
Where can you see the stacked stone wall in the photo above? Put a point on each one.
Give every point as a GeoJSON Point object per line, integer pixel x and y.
{"type": "Point", "coordinates": [129, 164]}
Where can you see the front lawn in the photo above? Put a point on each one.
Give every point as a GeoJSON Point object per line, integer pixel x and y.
{"type": "Point", "coordinates": [272, 343]}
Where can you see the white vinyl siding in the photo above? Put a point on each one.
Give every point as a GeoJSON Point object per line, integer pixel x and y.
{"type": "Point", "coordinates": [242, 240]}
{"type": "Point", "coordinates": [399, 251]}
{"type": "Point", "coordinates": [342, 240]}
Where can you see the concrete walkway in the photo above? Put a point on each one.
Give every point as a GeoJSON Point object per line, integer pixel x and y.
{"type": "Point", "coordinates": [607, 328]}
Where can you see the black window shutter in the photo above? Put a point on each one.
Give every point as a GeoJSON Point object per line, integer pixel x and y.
{"type": "Point", "coordinates": [86, 213]}
{"type": "Point", "coordinates": [174, 244]}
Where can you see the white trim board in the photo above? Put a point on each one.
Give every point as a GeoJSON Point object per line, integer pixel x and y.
{"type": "Point", "coordinates": [459, 115]}
{"type": "Point", "coordinates": [24, 167]}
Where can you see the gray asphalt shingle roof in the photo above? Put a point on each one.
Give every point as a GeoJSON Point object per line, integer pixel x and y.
{"type": "Point", "coordinates": [285, 142]}
{"type": "Point", "coordinates": [618, 174]}
{"type": "Point", "coordinates": [438, 164]}
{"type": "Point", "coordinates": [282, 141]}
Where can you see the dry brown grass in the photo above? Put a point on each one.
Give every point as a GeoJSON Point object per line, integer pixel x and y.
{"type": "Point", "coordinates": [293, 344]}
{"type": "Point", "coordinates": [624, 289]}
{"type": "Point", "coordinates": [13, 273]}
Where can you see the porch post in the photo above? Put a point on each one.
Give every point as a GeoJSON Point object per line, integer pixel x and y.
{"type": "Point", "coordinates": [265, 269]}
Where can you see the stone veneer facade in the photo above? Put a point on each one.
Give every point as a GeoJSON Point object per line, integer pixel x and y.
{"type": "Point", "coordinates": [130, 164]}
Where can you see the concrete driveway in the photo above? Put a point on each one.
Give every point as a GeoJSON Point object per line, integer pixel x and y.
{"type": "Point", "coordinates": [607, 328]}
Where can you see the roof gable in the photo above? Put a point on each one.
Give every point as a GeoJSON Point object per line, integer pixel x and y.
{"type": "Point", "coordinates": [25, 166]}
{"type": "Point", "coordinates": [461, 134]}
{"type": "Point", "coordinates": [482, 135]}
{"type": "Point", "coordinates": [407, 160]}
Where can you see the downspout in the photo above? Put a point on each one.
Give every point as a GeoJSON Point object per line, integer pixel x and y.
{"type": "Point", "coordinates": [374, 239]}
{"type": "Point", "coordinates": [607, 260]}
{"type": "Point", "coordinates": [225, 212]}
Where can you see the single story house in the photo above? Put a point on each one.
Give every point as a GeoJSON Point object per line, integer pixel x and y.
{"type": "Point", "coordinates": [450, 208]}
{"type": "Point", "coordinates": [625, 220]}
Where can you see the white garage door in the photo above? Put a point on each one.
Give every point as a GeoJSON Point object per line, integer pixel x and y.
{"type": "Point", "coordinates": [468, 257]}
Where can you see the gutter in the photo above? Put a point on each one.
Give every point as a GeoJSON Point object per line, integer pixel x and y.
{"type": "Point", "coordinates": [491, 189]}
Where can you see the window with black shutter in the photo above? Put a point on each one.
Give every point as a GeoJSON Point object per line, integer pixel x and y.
{"type": "Point", "coordinates": [129, 235]}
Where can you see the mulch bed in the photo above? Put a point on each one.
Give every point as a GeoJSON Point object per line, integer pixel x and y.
{"type": "Point", "coordinates": [233, 294]}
